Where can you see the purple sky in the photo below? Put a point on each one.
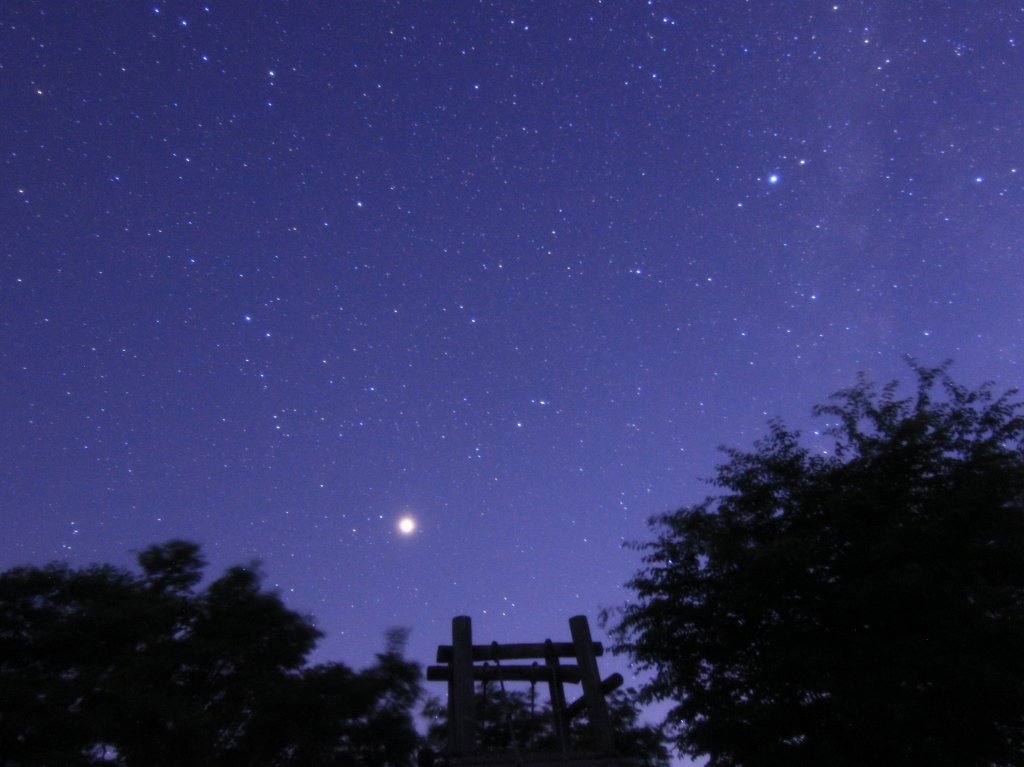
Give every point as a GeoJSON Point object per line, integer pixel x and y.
{"type": "Point", "coordinates": [274, 275]}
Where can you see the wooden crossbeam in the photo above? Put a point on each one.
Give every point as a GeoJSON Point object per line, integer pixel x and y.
{"type": "Point", "coordinates": [520, 651]}
{"type": "Point", "coordinates": [536, 673]}
{"type": "Point", "coordinates": [609, 685]}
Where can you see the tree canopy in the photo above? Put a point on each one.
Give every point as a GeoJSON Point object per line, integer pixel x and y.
{"type": "Point", "coordinates": [860, 605]}
{"type": "Point", "coordinates": [107, 666]}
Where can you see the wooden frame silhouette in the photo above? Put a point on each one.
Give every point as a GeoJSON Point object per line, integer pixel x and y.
{"type": "Point", "coordinates": [461, 674]}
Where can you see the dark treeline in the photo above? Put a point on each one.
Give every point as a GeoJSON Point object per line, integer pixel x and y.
{"type": "Point", "coordinates": [107, 666]}
{"type": "Point", "coordinates": [102, 666]}
{"type": "Point", "coordinates": [522, 721]}
{"type": "Point", "coordinates": [862, 604]}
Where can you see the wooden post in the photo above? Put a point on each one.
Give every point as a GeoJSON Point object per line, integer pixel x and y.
{"type": "Point", "coordinates": [597, 706]}
{"type": "Point", "coordinates": [557, 693]}
{"type": "Point", "coordinates": [461, 724]}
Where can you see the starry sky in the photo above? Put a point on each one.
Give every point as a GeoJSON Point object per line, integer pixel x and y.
{"type": "Point", "coordinates": [275, 275]}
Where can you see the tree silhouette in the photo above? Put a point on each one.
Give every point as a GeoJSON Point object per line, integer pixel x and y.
{"type": "Point", "coordinates": [864, 606]}
{"type": "Point", "coordinates": [513, 720]}
{"type": "Point", "coordinates": [105, 666]}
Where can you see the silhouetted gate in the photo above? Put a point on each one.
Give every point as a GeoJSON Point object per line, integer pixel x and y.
{"type": "Point", "coordinates": [461, 673]}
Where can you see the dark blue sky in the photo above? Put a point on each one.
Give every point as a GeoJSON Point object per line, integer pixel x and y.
{"type": "Point", "coordinates": [275, 274]}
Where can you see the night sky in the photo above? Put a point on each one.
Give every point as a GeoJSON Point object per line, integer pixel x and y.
{"type": "Point", "coordinates": [275, 275]}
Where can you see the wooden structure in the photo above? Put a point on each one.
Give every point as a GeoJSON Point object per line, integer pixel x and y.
{"type": "Point", "coordinates": [461, 673]}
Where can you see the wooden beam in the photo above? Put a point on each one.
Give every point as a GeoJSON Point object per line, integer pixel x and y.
{"type": "Point", "coordinates": [461, 716]}
{"type": "Point", "coordinates": [609, 685]}
{"type": "Point", "coordinates": [597, 706]}
{"type": "Point", "coordinates": [535, 673]}
{"type": "Point", "coordinates": [557, 695]}
{"type": "Point", "coordinates": [520, 651]}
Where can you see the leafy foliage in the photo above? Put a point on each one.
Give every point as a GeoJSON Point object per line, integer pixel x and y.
{"type": "Point", "coordinates": [513, 720]}
{"type": "Point", "coordinates": [864, 606]}
{"type": "Point", "coordinates": [104, 666]}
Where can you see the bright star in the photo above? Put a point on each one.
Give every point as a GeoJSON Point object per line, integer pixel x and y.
{"type": "Point", "coordinates": [773, 179]}
{"type": "Point", "coordinates": [407, 525]}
